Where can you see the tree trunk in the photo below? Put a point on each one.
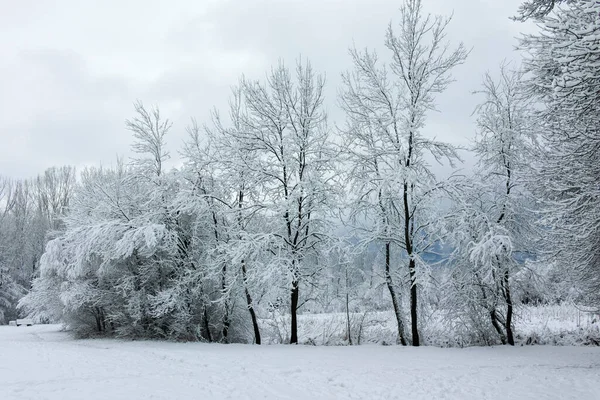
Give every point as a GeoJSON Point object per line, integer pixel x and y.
{"type": "Point", "coordinates": [98, 324]}
{"type": "Point", "coordinates": [294, 310]}
{"type": "Point", "coordinates": [497, 326]}
{"type": "Point", "coordinates": [509, 310]}
{"type": "Point", "coordinates": [207, 334]}
{"type": "Point", "coordinates": [492, 310]}
{"type": "Point", "coordinates": [226, 322]}
{"type": "Point", "coordinates": [250, 306]}
{"type": "Point", "coordinates": [98, 317]}
{"type": "Point", "coordinates": [413, 303]}
{"type": "Point", "coordinates": [245, 275]}
{"type": "Point", "coordinates": [390, 285]}
{"type": "Point", "coordinates": [348, 310]}
{"type": "Point", "coordinates": [103, 319]}
{"type": "Point", "coordinates": [408, 235]}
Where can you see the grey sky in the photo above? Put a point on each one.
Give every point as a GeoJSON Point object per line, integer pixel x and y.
{"type": "Point", "coordinates": [70, 70]}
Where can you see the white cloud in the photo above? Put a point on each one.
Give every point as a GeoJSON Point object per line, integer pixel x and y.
{"type": "Point", "coordinates": [70, 70]}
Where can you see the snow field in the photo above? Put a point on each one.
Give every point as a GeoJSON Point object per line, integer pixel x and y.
{"type": "Point", "coordinates": [41, 362]}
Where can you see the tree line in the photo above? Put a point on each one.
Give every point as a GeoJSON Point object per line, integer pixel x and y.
{"type": "Point", "coordinates": [276, 210]}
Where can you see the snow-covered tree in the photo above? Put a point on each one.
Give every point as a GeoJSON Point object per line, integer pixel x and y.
{"type": "Point", "coordinates": [52, 192]}
{"type": "Point", "coordinates": [9, 289]}
{"type": "Point", "coordinates": [216, 194]}
{"type": "Point", "coordinates": [286, 134]}
{"type": "Point", "coordinates": [386, 107]}
{"type": "Point", "coordinates": [562, 65]}
{"type": "Point", "coordinates": [200, 202]}
{"type": "Point", "coordinates": [537, 9]}
{"type": "Point", "coordinates": [113, 268]}
{"type": "Point", "coordinates": [492, 222]}
{"type": "Point", "coordinates": [31, 212]}
{"type": "Point", "coordinates": [240, 200]}
{"type": "Point", "coordinates": [149, 131]}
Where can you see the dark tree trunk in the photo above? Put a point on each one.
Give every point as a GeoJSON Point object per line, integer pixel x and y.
{"type": "Point", "coordinates": [207, 334]}
{"type": "Point", "coordinates": [509, 310]}
{"type": "Point", "coordinates": [408, 242]}
{"type": "Point", "coordinates": [254, 320]}
{"type": "Point", "coordinates": [492, 311]}
{"type": "Point", "coordinates": [249, 302]}
{"type": "Point", "coordinates": [348, 330]}
{"type": "Point", "coordinates": [226, 322]}
{"type": "Point", "coordinates": [103, 319]}
{"type": "Point", "coordinates": [390, 285]}
{"type": "Point", "coordinates": [98, 320]}
{"type": "Point", "coordinates": [295, 294]}
{"type": "Point", "coordinates": [496, 324]}
{"type": "Point", "coordinates": [413, 303]}
{"type": "Point", "coordinates": [250, 306]}
{"type": "Point", "coordinates": [505, 276]}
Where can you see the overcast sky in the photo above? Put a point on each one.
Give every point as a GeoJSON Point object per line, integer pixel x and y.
{"type": "Point", "coordinates": [71, 69]}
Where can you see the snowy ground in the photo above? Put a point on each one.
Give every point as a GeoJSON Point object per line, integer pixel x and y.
{"type": "Point", "coordinates": [41, 362]}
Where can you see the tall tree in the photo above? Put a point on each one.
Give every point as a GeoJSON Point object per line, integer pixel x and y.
{"type": "Point", "coordinates": [386, 108]}
{"type": "Point", "coordinates": [240, 179]}
{"type": "Point", "coordinates": [492, 222]}
{"type": "Point", "coordinates": [10, 290]}
{"type": "Point", "coordinates": [562, 62]}
{"type": "Point", "coordinates": [31, 213]}
{"type": "Point", "coordinates": [285, 130]}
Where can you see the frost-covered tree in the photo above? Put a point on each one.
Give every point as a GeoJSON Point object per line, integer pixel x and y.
{"type": "Point", "coordinates": [52, 192]}
{"type": "Point", "coordinates": [9, 289]}
{"type": "Point", "coordinates": [218, 192]}
{"type": "Point", "coordinates": [201, 203]}
{"type": "Point", "coordinates": [149, 131]}
{"type": "Point", "coordinates": [20, 231]}
{"type": "Point", "coordinates": [31, 213]}
{"type": "Point", "coordinates": [493, 222]}
{"type": "Point", "coordinates": [240, 199]}
{"type": "Point", "coordinates": [562, 63]}
{"type": "Point", "coordinates": [537, 9]}
{"type": "Point", "coordinates": [117, 267]}
{"type": "Point", "coordinates": [99, 266]}
{"type": "Point", "coordinates": [386, 107]}
{"type": "Point", "coordinates": [286, 134]}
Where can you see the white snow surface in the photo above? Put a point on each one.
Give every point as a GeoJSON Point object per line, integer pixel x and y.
{"type": "Point", "coordinates": [41, 362]}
